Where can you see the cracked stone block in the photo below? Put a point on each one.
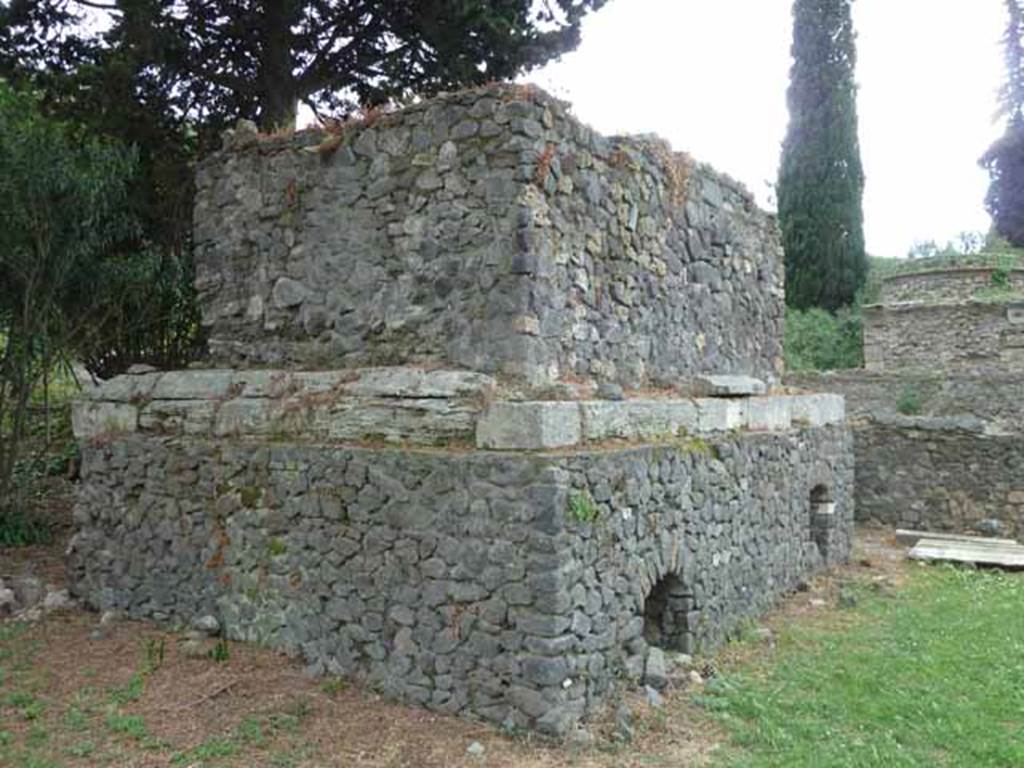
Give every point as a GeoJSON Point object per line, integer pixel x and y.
{"type": "Point", "coordinates": [638, 419]}
{"type": "Point", "coordinates": [818, 410]}
{"type": "Point", "coordinates": [529, 426]}
{"type": "Point", "coordinates": [90, 418]}
{"type": "Point", "coordinates": [768, 414]}
{"type": "Point", "coordinates": [720, 415]}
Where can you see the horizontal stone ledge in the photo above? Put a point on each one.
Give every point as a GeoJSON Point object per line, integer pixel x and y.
{"type": "Point", "coordinates": [392, 404]}
{"type": "Point", "coordinates": [418, 408]}
{"type": "Point", "coordinates": [224, 384]}
{"type": "Point", "coordinates": [540, 425]}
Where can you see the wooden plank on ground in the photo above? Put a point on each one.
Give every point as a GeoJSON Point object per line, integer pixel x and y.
{"type": "Point", "coordinates": [1008, 556]}
{"type": "Point", "coordinates": [910, 538]}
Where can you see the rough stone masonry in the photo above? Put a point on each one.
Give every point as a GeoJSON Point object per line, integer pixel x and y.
{"type": "Point", "coordinates": [500, 420]}
{"type": "Point", "coordinates": [936, 415]}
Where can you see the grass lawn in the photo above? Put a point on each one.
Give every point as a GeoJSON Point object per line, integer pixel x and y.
{"type": "Point", "coordinates": [931, 676]}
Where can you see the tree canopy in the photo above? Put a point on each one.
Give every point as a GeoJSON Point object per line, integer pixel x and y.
{"type": "Point", "coordinates": [63, 209]}
{"type": "Point", "coordinates": [1005, 158]}
{"type": "Point", "coordinates": [821, 180]}
{"type": "Point", "coordinates": [259, 58]}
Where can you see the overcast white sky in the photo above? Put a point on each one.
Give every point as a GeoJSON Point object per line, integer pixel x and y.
{"type": "Point", "coordinates": [711, 75]}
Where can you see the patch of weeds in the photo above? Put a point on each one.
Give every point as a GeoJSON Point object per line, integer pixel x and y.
{"type": "Point", "coordinates": [82, 748]}
{"type": "Point", "coordinates": [23, 760]}
{"type": "Point", "coordinates": [582, 508]}
{"type": "Point", "coordinates": [38, 735]}
{"type": "Point", "coordinates": [276, 547]}
{"type": "Point", "coordinates": [131, 691]}
{"type": "Point", "coordinates": [6, 737]}
{"type": "Point", "coordinates": [910, 402]}
{"type": "Point", "coordinates": [291, 718]}
{"type": "Point", "coordinates": [75, 719]}
{"type": "Point", "coordinates": [1000, 278]}
{"type": "Point", "coordinates": [220, 652]}
{"type": "Point", "coordinates": [744, 631]}
{"type": "Point", "coordinates": [155, 650]}
{"type": "Point", "coordinates": [250, 496]}
{"type": "Point", "coordinates": [210, 749]}
{"type": "Point", "coordinates": [250, 732]}
{"type": "Point", "coordinates": [132, 726]}
{"type": "Point", "coordinates": [333, 687]}
{"type": "Point", "coordinates": [18, 529]}
{"type": "Point", "coordinates": [694, 444]}
{"type": "Point", "coordinates": [11, 631]}
{"type": "Point", "coordinates": [29, 707]}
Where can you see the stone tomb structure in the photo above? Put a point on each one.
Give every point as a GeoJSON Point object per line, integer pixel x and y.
{"type": "Point", "coordinates": [463, 434]}
{"type": "Point", "coordinates": [956, 319]}
{"type": "Point", "coordinates": [937, 415]}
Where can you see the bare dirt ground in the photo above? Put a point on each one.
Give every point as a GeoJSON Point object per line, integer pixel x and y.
{"type": "Point", "coordinates": [128, 694]}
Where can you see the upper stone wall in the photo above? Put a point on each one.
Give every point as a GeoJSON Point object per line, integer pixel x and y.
{"type": "Point", "coordinates": [947, 285]}
{"type": "Point", "coordinates": [487, 230]}
{"type": "Point", "coordinates": [965, 336]}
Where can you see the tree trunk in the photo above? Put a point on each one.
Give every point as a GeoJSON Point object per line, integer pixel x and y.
{"type": "Point", "coordinates": [280, 100]}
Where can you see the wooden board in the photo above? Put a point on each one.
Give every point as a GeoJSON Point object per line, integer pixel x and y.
{"type": "Point", "coordinates": [1006, 556]}
{"type": "Point", "coordinates": [910, 538]}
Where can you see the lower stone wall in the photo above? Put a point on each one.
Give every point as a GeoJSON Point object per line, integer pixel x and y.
{"type": "Point", "coordinates": [508, 585]}
{"type": "Point", "coordinates": [939, 475]}
{"type": "Point", "coordinates": [951, 461]}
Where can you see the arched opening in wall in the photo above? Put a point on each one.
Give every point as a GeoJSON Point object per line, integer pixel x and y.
{"type": "Point", "coordinates": [668, 615]}
{"type": "Point", "coordinates": [823, 518]}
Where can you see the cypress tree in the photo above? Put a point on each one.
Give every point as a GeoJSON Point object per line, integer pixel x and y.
{"type": "Point", "coordinates": [821, 180]}
{"type": "Point", "coordinates": [1005, 158]}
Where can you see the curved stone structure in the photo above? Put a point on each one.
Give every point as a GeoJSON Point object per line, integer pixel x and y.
{"type": "Point", "coordinates": [954, 318]}
{"type": "Point", "coordinates": [952, 284]}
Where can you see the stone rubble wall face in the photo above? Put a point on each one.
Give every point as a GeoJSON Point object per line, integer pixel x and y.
{"type": "Point", "coordinates": [991, 398]}
{"type": "Point", "coordinates": [488, 230]}
{"type": "Point", "coordinates": [942, 337]}
{"type": "Point", "coordinates": [459, 581]}
{"type": "Point", "coordinates": [935, 477]}
{"type": "Point", "coordinates": [955, 462]}
{"type": "Point", "coordinates": [943, 286]}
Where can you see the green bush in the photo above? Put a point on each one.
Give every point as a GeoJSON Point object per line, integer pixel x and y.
{"type": "Point", "coordinates": [818, 340]}
{"type": "Point", "coordinates": [909, 403]}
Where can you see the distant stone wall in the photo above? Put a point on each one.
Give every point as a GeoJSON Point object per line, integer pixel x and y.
{"type": "Point", "coordinates": [486, 230]}
{"type": "Point", "coordinates": [948, 285]}
{"type": "Point", "coordinates": [939, 475]}
{"type": "Point", "coordinates": [993, 398]}
{"type": "Point", "coordinates": [952, 461]}
{"type": "Point", "coordinates": [516, 586]}
{"type": "Point", "coordinates": [936, 337]}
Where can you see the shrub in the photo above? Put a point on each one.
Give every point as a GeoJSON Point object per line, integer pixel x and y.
{"type": "Point", "coordinates": [816, 339]}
